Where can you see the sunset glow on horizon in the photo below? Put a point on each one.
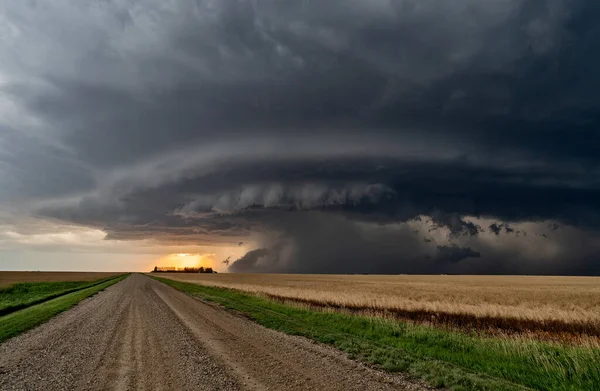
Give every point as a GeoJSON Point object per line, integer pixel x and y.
{"type": "Point", "coordinates": [183, 260]}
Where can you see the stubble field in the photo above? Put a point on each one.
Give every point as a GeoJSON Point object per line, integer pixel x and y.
{"type": "Point", "coordinates": [559, 308]}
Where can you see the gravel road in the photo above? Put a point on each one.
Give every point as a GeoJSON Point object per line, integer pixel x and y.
{"type": "Point", "coordinates": [141, 334]}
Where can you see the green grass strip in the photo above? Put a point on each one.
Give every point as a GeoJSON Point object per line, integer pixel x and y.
{"type": "Point", "coordinates": [25, 294]}
{"type": "Point", "coordinates": [18, 322]}
{"type": "Point", "coordinates": [444, 358]}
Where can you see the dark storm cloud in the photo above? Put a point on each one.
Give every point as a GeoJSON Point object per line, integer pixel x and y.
{"type": "Point", "coordinates": [258, 260]}
{"type": "Point", "coordinates": [455, 254]}
{"type": "Point", "coordinates": [321, 130]}
{"type": "Point", "coordinates": [32, 169]}
{"type": "Point", "coordinates": [498, 228]}
{"type": "Point", "coordinates": [317, 242]}
{"type": "Point", "coordinates": [455, 224]}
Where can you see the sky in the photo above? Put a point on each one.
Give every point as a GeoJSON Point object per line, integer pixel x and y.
{"type": "Point", "coordinates": [299, 136]}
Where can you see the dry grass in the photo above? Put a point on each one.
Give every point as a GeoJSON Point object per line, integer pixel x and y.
{"type": "Point", "coordinates": [563, 308]}
{"type": "Point", "coordinates": [9, 278]}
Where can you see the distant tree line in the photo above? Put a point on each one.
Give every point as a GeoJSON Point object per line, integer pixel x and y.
{"type": "Point", "coordinates": [200, 269]}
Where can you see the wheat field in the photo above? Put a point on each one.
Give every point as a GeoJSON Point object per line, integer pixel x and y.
{"type": "Point", "coordinates": [514, 303]}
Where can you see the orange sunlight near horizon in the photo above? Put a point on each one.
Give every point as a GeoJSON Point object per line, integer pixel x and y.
{"type": "Point", "coordinates": [183, 260]}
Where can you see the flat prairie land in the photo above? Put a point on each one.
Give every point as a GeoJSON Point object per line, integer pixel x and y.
{"type": "Point", "coordinates": [9, 278]}
{"type": "Point", "coordinates": [140, 334]}
{"type": "Point", "coordinates": [22, 291]}
{"type": "Point", "coordinates": [553, 307]}
{"type": "Point", "coordinates": [25, 305]}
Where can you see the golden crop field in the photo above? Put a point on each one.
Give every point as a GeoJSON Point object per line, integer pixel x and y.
{"type": "Point", "coordinates": [9, 278]}
{"type": "Point", "coordinates": [556, 305]}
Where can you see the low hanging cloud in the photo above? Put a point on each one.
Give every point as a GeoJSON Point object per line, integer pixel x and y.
{"type": "Point", "coordinates": [455, 254]}
{"type": "Point", "coordinates": [327, 136]}
{"type": "Point", "coordinates": [304, 196]}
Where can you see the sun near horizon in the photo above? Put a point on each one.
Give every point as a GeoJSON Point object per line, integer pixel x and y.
{"type": "Point", "coordinates": [183, 260]}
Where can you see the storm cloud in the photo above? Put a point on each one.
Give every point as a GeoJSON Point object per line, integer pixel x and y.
{"type": "Point", "coordinates": [380, 136]}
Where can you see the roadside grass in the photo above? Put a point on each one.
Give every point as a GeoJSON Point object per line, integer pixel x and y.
{"type": "Point", "coordinates": [24, 294]}
{"type": "Point", "coordinates": [20, 321]}
{"type": "Point", "coordinates": [452, 359]}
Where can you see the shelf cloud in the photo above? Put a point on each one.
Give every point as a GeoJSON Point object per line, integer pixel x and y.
{"type": "Point", "coordinates": [379, 136]}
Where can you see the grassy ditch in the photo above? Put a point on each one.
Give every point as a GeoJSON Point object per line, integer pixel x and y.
{"type": "Point", "coordinates": [24, 294]}
{"type": "Point", "coordinates": [19, 321]}
{"type": "Point", "coordinates": [452, 359]}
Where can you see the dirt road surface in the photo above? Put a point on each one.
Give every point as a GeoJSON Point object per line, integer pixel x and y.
{"type": "Point", "coordinates": [141, 334]}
